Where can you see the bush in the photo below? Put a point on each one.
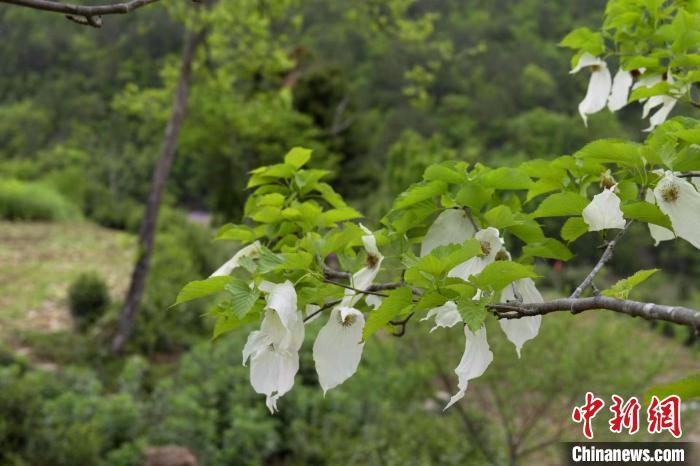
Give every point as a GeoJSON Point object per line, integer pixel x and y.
{"type": "Point", "coordinates": [88, 298]}
{"type": "Point", "coordinates": [33, 201]}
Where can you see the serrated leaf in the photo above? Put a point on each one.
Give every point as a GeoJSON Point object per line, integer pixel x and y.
{"type": "Point", "coordinates": [231, 232]}
{"type": "Point", "coordinates": [393, 305]}
{"type": "Point", "coordinates": [646, 212]}
{"type": "Point", "coordinates": [243, 297]}
{"type": "Point", "coordinates": [507, 178]}
{"type": "Point", "coordinates": [573, 228]}
{"type": "Point", "coordinates": [529, 231]}
{"type": "Point", "coordinates": [687, 389]}
{"type": "Point", "coordinates": [473, 312]}
{"type": "Point", "coordinates": [339, 215]}
{"type": "Point", "coordinates": [297, 157]}
{"type": "Point", "coordinates": [500, 274]}
{"type": "Point", "coordinates": [440, 261]}
{"type": "Point", "coordinates": [228, 322]}
{"type": "Point", "coordinates": [661, 88]}
{"type": "Point", "coordinates": [201, 288]}
{"type": "Point", "coordinates": [473, 195]}
{"type": "Point", "coordinates": [561, 205]}
{"type": "Point", "coordinates": [420, 192]}
{"type": "Point", "coordinates": [550, 248]}
{"type": "Point", "coordinates": [272, 199]}
{"type": "Point", "coordinates": [501, 217]}
{"type": "Point", "coordinates": [621, 152]}
{"type": "Point", "coordinates": [447, 172]}
{"type": "Point", "coordinates": [622, 288]}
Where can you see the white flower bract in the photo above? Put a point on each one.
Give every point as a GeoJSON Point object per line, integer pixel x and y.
{"type": "Point", "coordinates": [603, 212]}
{"type": "Point", "coordinates": [521, 330]}
{"type": "Point", "coordinates": [452, 226]}
{"type": "Point", "coordinates": [599, 85]}
{"type": "Point", "coordinates": [679, 199]}
{"type": "Point", "coordinates": [476, 358]}
{"type": "Point", "coordinates": [338, 347]}
{"type": "Point", "coordinates": [446, 316]}
{"type": "Point", "coordinates": [491, 244]}
{"type": "Point", "coordinates": [658, 233]}
{"type": "Point", "coordinates": [620, 90]}
{"type": "Point", "coordinates": [251, 250]}
{"type": "Point", "coordinates": [273, 350]}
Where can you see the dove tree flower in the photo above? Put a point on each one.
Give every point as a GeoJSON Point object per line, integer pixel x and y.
{"type": "Point", "coordinates": [679, 199]}
{"type": "Point", "coordinates": [620, 90]}
{"type": "Point", "coordinates": [446, 316]}
{"type": "Point", "coordinates": [521, 330]}
{"type": "Point", "coordinates": [603, 212]}
{"type": "Point", "coordinates": [657, 232]}
{"type": "Point", "coordinates": [338, 347]}
{"type": "Point", "coordinates": [476, 359]}
{"type": "Point", "coordinates": [452, 226]}
{"type": "Point", "coordinates": [491, 245]}
{"type": "Point", "coordinates": [273, 350]}
{"type": "Point", "coordinates": [599, 85]}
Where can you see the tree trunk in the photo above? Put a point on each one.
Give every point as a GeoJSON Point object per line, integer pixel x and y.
{"type": "Point", "coordinates": [161, 171]}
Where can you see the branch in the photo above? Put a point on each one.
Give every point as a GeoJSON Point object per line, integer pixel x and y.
{"type": "Point", "coordinates": [374, 289]}
{"type": "Point", "coordinates": [689, 175]}
{"type": "Point", "coordinates": [328, 305]}
{"type": "Point", "coordinates": [82, 14]}
{"type": "Point", "coordinates": [649, 311]}
{"type": "Point", "coordinates": [607, 255]}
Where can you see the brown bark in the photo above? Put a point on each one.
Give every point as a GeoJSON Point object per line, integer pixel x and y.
{"type": "Point", "coordinates": [161, 171]}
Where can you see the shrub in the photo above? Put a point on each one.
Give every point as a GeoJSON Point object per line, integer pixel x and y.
{"type": "Point", "coordinates": [88, 299]}
{"type": "Point", "coordinates": [33, 201]}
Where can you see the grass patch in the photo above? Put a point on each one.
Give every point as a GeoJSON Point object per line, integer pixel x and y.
{"type": "Point", "coordinates": [21, 200]}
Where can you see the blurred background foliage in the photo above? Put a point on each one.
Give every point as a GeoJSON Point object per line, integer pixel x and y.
{"type": "Point", "coordinates": [379, 90]}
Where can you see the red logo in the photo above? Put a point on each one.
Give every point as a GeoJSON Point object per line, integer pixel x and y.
{"type": "Point", "coordinates": [587, 412]}
{"type": "Point", "coordinates": [665, 415]}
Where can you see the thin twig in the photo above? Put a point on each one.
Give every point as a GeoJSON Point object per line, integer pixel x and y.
{"type": "Point", "coordinates": [367, 291]}
{"type": "Point", "coordinates": [82, 14]}
{"type": "Point", "coordinates": [328, 305]}
{"type": "Point", "coordinates": [607, 255]}
{"type": "Point", "coordinates": [649, 311]}
{"type": "Point", "coordinates": [689, 175]}
{"type": "Point", "coordinates": [401, 324]}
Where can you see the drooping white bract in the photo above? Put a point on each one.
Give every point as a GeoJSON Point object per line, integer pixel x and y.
{"type": "Point", "coordinates": [274, 349]}
{"type": "Point", "coordinates": [338, 347]}
{"type": "Point", "coordinates": [491, 245]}
{"type": "Point", "coordinates": [521, 330]}
{"type": "Point", "coordinates": [446, 316]}
{"type": "Point", "coordinates": [620, 90]}
{"type": "Point", "coordinates": [604, 213]}
{"type": "Point", "coordinates": [452, 226]}
{"type": "Point", "coordinates": [252, 250]}
{"type": "Point", "coordinates": [679, 199]}
{"type": "Point", "coordinates": [598, 87]}
{"type": "Point", "coordinates": [476, 358]}
{"type": "Point", "coordinates": [667, 103]}
{"type": "Point", "coordinates": [373, 301]}
{"type": "Point", "coordinates": [657, 233]}
{"type": "Point", "coordinates": [363, 278]}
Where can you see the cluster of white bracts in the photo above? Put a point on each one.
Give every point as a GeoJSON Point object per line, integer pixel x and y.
{"type": "Point", "coordinates": [453, 227]}
{"type": "Point", "coordinates": [676, 197]}
{"type": "Point", "coordinates": [602, 91]}
{"type": "Point", "coordinates": [273, 350]}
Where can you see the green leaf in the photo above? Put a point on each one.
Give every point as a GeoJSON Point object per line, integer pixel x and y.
{"type": "Point", "coordinates": [573, 228]}
{"type": "Point", "coordinates": [549, 249]}
{"type": "Point", "coordinates": [297, 157]}
{"type": "Point", "coordinates": [342, 214]}
{"type": "Point", "coordinates": [612, 151]}
{"type": "Point", "coordinates": [561, 205]}
{"type": "Point", "coordinates": [501, 217]}
{"type": "Point", "coordinates": [227, 322]}
{"type": "Point", "coordinates": [420, 192]}
{"type": "Point", "coordinates": [201, 288]}
{"type": "Point", "coordinates": [447, 172]}
{"type": "Point", "coordinates": [507, 178]}
{"type": "Point", "coordinates": [646, 212]}
{"type": "Point", "coordinates": [661, 88]}
{"type": "Point", "coordinates": [500, 274]}
{"type": "Point", "coordinates": [687, 389]}
{"type": "Point", "coordinates": [272, 199]}
{"type": "Point", "coordinates": [473, 312]}
{"type": "Point", "coordinates": [440, 261]}
{"type": "Point", "coordinates": [529, 231]}
{"type": "Point", "coordinates": [429, 300]}
{"type": "Point", "coordinates": [241, 233]}
{"type": "Point", "coordinates": [473, 195]}
{"type": "Point", "coordinates": [243, 297]}
{"type": "Point", "coordinates": [622, 288]}
{"type": "Point", "coordinates": [394, 304]}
